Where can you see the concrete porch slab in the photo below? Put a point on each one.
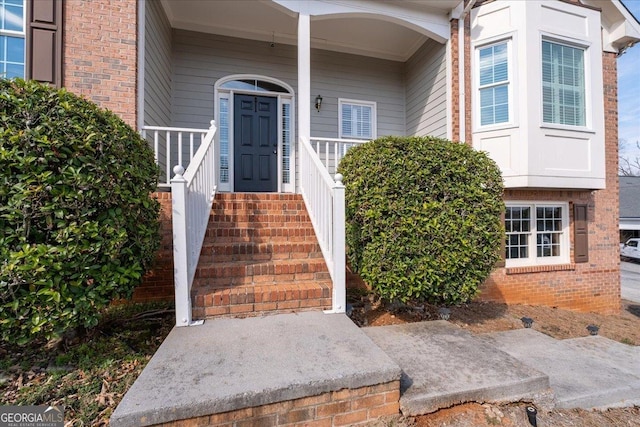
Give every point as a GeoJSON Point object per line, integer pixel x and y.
{"type": "Point", "coordinates": [587, 372]}
{"type": "Point", "coordinates": [444, 365]}
{"type": "Point", "coordinates": [229, 364]}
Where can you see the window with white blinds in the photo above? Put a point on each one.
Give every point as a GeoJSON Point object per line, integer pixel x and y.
{"type": "Point", "coordinates": [12, 38]}
{"type": "Point", "coordinates": [357, 119]}
{"type": "Point", "coordinates": [563, 88]}
{"type": "Point", "coordinates": [493, 83]}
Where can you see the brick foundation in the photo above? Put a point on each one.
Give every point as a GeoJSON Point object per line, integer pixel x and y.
{"type": "Point", "coordinates": [157, 284]}
{"type": "Point", "coordinates": [346, 407]}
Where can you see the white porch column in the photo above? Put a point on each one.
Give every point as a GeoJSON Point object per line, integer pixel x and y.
{"type": "Point", "coordinates": [304, 76]}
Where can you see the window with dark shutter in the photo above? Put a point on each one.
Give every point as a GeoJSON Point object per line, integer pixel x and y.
{"type": "Point", "coordinates": [44, 41]}
{"type": "Point", "coordinates": [580, 233]}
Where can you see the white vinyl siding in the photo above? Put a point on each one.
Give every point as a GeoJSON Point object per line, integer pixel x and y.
{"type": "Point", "coordinates": [493, 83]}
{"type": "Point", "coordinates": [357, 119]}
{"type": "Point", "coordinates": [426, 91]}
{"type": "Point", "coordinates": [563, 84]}
{"type": "Point", "coordinates": [12, 38]}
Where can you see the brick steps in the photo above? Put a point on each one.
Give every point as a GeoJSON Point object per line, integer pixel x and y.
{"type": "Point", "coordinates": [260, 255]}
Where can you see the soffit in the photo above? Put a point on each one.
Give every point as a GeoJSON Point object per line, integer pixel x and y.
{"type": "Point", "coordinates": [363, 34]}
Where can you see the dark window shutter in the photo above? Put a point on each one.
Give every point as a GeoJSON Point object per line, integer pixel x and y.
{"type": "Point", "coordinates": [44, 41]}
{"type": "Point", "coordinates": [503, 245]}
{"type": "Point", "coordinates": [580, 233]}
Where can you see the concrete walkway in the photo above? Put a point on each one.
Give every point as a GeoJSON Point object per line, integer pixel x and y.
{"type": "Point", "coordinates": [587, 372]}
{"type": "Point", "coordinates": [443, 365]}
{"type": "Point", "coordinates": [229, 364]}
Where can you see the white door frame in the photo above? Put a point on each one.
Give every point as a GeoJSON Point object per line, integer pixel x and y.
{"type": "Point", "coordinates": [283, 98]}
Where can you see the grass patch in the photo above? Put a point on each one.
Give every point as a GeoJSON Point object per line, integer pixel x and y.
{"type": "Point", "coordinates": [89, 371]}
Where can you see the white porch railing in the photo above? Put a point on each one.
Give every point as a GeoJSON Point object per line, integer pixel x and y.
{"type": "Point", "coordinates": [192, 193]}
{"type": "Point", "coordinates": [324, 199]}
{"type": "Point", "coordinates": [172, 146]}
{"type": "Point", "coordinates": [331, 150]}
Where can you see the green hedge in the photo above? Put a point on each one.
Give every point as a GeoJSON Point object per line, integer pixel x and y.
{"type": "Point", "coordinates": [78, 225]}
{"type": "Point", "coordinates": [423, 218]}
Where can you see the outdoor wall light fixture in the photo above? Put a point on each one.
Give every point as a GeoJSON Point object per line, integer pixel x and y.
{"type": "Point", "coordinates": [527, 322]}
{"type": "Point", "coordinates": [444, 313]}
{"type": "Point", "coordinates": [318, 102]}
{"type": "Point", "coordinates": [593, 329]}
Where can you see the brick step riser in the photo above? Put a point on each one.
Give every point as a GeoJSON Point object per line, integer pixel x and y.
{"type": "Point", "coordinates": [261, 219]}
{"type": "Point", "coordinates": [258, 299]}
{"type": "Point", "coordinates": [254, 225]}
{"type": "Point", "coordinates": [297, 267]}
{"type": "Point", "coordinates": [246, 234]}
{"type": "Point", "coordinates": [251, 248]}
{"type": "Point", "coordinates": [263, 280]}
{"type": "Point", "coordinates": [249, 251]}
{"type": "Point", "coordinates": [212, 260]}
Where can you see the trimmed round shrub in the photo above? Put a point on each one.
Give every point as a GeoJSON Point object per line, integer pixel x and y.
{"type": "Point", "coordinates": [78, 225]}
{"type": "Point", "coordinates": [423, 218]}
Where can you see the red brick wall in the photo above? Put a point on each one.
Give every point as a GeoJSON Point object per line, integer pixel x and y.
{"type": "Point", "coordinates": [158, 284]}
{"type": "Point", "coordinates": [591, 286]}
{"type": "Point", "coordinates": [100, 53]}
{"type": "Point", "coordinates": [345, 407]}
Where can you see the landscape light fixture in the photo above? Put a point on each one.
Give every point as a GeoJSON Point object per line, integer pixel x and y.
{"type": "Point", "coordinates": [318, 102]}
{"type": "Point", "coordinates": [527, 322]}
{"type": "Point", "coordinates": [444, 313]}
{"type": "Point", "coordinates": [593, 329]}
{"type": "Point", "coordinates": [531, 415]}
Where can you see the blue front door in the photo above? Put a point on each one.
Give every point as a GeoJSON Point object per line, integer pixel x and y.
{"type": "Point", "coordinates": [255, 143]}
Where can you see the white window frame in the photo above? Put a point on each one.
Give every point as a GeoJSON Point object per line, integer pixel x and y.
{"type": "Point", "coordinates": [533, 259]}
{"type": "Point", "coordinates": [21, 35]}
{"type": "Point", "coordinates": [510, 41]}
{"type": "Point", "coordinates": [374, 118]}
{"type": "Point", "coordinates": [586, 48]}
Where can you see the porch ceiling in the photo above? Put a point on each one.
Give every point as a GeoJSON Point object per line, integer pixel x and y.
{"type": "Point", "coordinates": [363, 33]}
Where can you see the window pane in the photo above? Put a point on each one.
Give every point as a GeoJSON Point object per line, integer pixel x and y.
{"type": "Point", "coordinates": [286, 143]}
{"type": "Point", "coordinates": [14, 70]}
{"type": "Point", "coordinates": [223, 132]}
{"type": "Point", "coordinates": [356, 121]}
{"type": "Point", "coordinates": [563, 100]}
{"type": "Point", "coordinates": [549, 228]}
{"type": "Point", "coordinates": [15, 50]}
{"type": "Point", "coordinates": [494, 86]}
{"type": "Point", "coordinates": [517, 226]}
{"type": "Point", "coordinates": [11, 15]}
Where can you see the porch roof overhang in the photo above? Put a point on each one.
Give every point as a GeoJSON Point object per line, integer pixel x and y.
{"type": "Point", "coordinates": [387, 30]}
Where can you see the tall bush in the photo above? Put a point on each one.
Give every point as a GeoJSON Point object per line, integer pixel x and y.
{"type": "Point", "coordinates": [78, 226]}
{"type": "Point", "coordinates": [423, 217]}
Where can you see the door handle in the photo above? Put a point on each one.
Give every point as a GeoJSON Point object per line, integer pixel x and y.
{"type": "Point", "coordinates": [275, 152]}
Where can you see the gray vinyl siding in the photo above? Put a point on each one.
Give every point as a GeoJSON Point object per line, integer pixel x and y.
{"type": "Point", "coordinates": [201, 59]}
{"type": "Point", "coordinates": [426, 89]}
{"type": "Point", "coordinates": [157, 65]}
{"type": "Point", "coordinates": [338, 75]}
{"type": "Point", "coordinates": [157, 77]}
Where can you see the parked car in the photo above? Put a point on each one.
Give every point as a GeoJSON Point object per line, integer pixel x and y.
{"type": "Point", "coordinates": [631, 249]}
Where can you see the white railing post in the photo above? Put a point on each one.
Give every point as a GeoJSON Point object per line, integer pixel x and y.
{"type": "Point", "coordinates": [339, 245]}
{"type": "Point", "coordinates": [180, 246]}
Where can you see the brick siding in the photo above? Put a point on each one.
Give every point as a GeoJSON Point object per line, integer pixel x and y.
{"type": "Point", "coordinates": [100, 53]}
{"type": "Point", "coordinates": [346, 407]}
